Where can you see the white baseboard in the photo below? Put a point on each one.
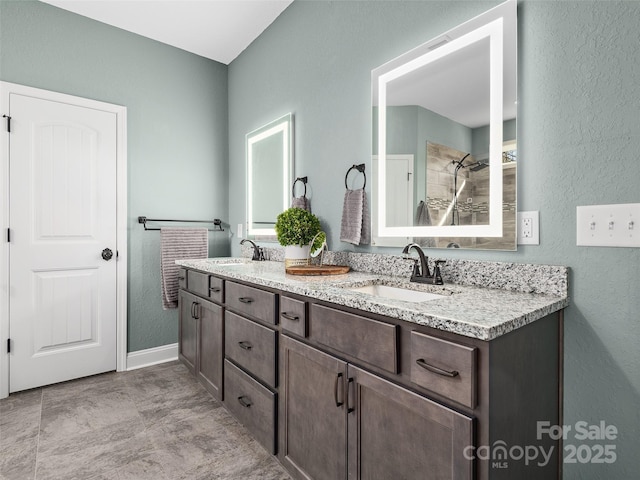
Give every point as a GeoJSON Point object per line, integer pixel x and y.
{"type": "Point", "coordinates": [152, 356]}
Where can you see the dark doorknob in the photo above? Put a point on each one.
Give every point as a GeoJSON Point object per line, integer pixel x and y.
{"type": "Point", "coordinates": [107, 254]}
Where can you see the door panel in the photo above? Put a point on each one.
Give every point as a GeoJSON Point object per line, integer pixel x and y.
{"type": "Point", "coordinates": [210, 346]}
{"type": "Point", "coordinates": [188, 329]}
{"type": "Point", "coordinates": [62, 215]}
{"type": "Point", "coordinates": [313, 415]}
{"type": "Point", "coordinates": [395, 433]}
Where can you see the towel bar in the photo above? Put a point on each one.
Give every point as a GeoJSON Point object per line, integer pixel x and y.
{"type": "Point", "coordinates": [216, 223]}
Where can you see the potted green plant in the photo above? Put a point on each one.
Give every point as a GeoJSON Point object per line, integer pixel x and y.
{"type": "Point", "coordinates": [295, 229]}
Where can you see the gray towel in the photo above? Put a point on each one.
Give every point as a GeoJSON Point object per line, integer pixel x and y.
{"type": "Point", "coordinates": [355, 226]}
{"type": "Point", "coordinates": [178, 244]}
{"type": "Point", "coordinates": [301, 202]}
{"type": "Point", "coordinates": [423, 218]}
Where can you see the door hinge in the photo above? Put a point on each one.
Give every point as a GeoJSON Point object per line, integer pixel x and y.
{"type": "Point", "coordinates": [8, 235]}
{"type": "Point", "coordinates": [8, 122]}
{"type": "Point", "coordinates": [8, 345]}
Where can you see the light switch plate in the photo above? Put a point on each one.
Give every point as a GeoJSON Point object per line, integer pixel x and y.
{"type": "Point", "coordinates": [528, 228]}
{"type": "Point", "coordinates": [608, 225]}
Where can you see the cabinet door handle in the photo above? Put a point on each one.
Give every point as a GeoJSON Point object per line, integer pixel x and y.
{"type": "Point", "coordinates": [244, 401]}
{"type": "Point", "coordinates": [193, 315]}
{"type": "Point", "coordinates": [215, 289]}
{"type": "Point", "coordinates": [196, 310]}
{"type": "Point", "coordinates": [339, 403]}
{"type": "Point", "coordinates": [445, 373]}
{"type": "Point", "coordinates": [246, 299]}
{"type": "Point", "coordinates": [245, 345]}
{"type": "Point", "coordinates": [349, 408]}
{"type": "Point", "coordinates": [288, 316]}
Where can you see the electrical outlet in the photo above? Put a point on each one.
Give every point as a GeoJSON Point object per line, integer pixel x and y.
{"type": "Point", "coordinates": [529, 228]}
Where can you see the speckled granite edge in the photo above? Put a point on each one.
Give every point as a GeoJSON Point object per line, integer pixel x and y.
{"type": "Point", "coordinates": [515, 277]}
{"type": "Point", "coordinates": [483, 313]}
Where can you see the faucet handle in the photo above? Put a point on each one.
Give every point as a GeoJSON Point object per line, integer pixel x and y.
{"type": "Point", "coordinates": [437, 275]}
{"type": "Point", "coordinates": [415, 272]}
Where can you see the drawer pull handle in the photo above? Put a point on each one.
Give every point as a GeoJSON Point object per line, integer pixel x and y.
{"type": "Point", "coordinates": [288, 316]}
{"type": "Point", "coordinates": [349, 408]}
{"type": "Point", "coordinates": [215, 289]}
{"type": "Point", "coordinates": [335, 390]}
{"type": "Point", "coordinates": [194, 310]}
{"type": "Point", "coordinates": [439, 371]}
{"type": "Point", "coordinates": [244, 401]}
{"type": "Point", "coordinates": [245, 345]}
{"type": "Point", "coordinates": [246, 299]}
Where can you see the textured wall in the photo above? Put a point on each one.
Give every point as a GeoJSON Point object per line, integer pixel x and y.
{"type": "Point", "coordinates": [579, 137]}
{"type": "Point", "coordinates": [177, 130]}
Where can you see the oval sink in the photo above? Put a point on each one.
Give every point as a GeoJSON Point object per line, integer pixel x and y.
{"type": "Point", "coordinates": [396, 293]}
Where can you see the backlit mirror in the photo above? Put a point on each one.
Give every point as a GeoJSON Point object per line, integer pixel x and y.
{"type": "Point", "coordinates": [269, 174]}
{"type": "Point", "coordinates": [444, 139]}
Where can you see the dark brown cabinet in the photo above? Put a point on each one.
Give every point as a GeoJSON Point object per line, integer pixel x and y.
{"type": "Point", "coordinates": [338, 393]}
{"type": "Point", "coordinates": [313, 420]}
{"type": "Point", "coordinates": [339, 421]}
{"type": "Point", "coordinates": [200, 339]}
{"type": "Point", "coordinates": [395, 433]}
{"type": "Point", "coordinates": [210, 347]}
{"type": "Point", "coordinates": [187, 330]}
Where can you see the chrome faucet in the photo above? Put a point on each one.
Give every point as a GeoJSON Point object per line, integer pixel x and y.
{"type": "Point", "coordinates": [421, 272]}
{"type": "Point", "coordinates": [258, 253]}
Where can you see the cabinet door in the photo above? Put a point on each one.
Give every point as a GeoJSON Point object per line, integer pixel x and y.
{"type": "Point", "coordinates": [395, 433]}
{"type": "Point", "coordinates": [312, 412]}
{"type": "Point", "coordinates": [210, 357]}
{"type": "Point", "coordinates": [187, 330]}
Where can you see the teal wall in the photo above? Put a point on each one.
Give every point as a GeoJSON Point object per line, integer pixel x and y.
{"type": "Point", "coordinates": [177, 130]}
{"type": "Point", "coordinates": [578, 144]}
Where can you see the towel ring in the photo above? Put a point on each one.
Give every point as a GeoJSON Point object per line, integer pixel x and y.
{"type": "Point", "coordinates": [293, 188]}
{"type": "Point", "coordinates": [360, 168]}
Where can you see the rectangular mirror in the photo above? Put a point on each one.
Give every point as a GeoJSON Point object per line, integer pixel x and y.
{"type": "Point", "coordinates": [444, 124]}
{"type": "Point", "coordinates": [269, 174]}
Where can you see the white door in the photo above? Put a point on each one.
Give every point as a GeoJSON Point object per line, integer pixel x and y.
{"type": "Point", "coordinates": [62, 215]}
{"type": "Point", "coordinates": [399, 197]}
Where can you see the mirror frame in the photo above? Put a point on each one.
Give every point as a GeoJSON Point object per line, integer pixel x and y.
{"type": "Point", "coordinates": [491, 25]}
{"type": "Point", "coordinates": [283, 125]}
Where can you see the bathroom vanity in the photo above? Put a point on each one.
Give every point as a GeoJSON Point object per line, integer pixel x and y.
{"type": "Point", "coordinates": [340, 383]}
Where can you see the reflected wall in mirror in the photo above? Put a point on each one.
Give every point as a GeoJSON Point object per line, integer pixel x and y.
{"type": "Point", "coordinates": [450, 104]}
{"type": "Point", "coordinates": [269, 174]}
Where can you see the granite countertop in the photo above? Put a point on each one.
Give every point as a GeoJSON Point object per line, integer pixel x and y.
{"type": "Point", "coordinates": [472, 311]}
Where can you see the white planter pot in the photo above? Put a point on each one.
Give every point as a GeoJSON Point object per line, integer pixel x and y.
{"type": "Point", "coordinates": [295, 255]}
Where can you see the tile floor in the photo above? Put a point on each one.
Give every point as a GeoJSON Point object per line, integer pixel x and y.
{"type": "Point", "coordinates": [154, 423]}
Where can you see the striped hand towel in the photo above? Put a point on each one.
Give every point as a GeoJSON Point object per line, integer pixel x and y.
{"type": "Point", "coordinates": [355, 226]}
{"type": "Point", "coordinates": [178, 244]}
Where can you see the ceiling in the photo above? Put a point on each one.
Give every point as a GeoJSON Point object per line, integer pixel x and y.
{"type": "Point", "coordinates": [215, 29]}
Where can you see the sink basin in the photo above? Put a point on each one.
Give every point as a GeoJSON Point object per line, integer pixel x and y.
{"type": "Point", "coordinates": [396, 293]}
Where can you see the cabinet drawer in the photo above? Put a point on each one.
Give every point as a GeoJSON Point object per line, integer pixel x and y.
{"type": "Point", "coordinates": [198, 283]}
{"type": "Point", "coordinates": [368, 340]}
{"type": "Point", "coordinates": [252, 404]}
{"type": "Point", "coordinates": [252, 301]}
{"type": "Point", "coordinates": [252, 346]}
{"type": "Point", "coordinates": [446, 368]}
{"type": "Point", "coordinates": [216, 289]}
{"type": "Point", "coordinates": [293, 315]}
{"type": "Point", "coordinates": [182, 278]}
